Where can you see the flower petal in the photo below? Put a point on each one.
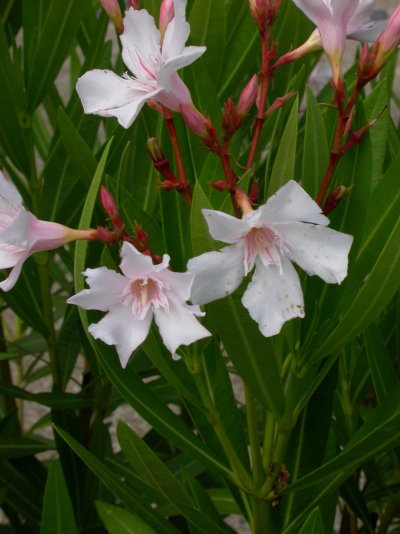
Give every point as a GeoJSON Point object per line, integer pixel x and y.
{"type": "Point", "coordinates": [274, 297]}
{"type": "Point", "coordinates": [217, 274]}
{"type": "Point", "coordinates": [106, 287]}
{"type": "Point", "coordinates": [177, 95]}
{"type": "Point", "coordinates": [10, 255]}
{"type": "Point", "coordinates": [119, 327]}
{"type": "Point", "coordinates": [104, 93]}
{"type": "Point", "coordinates": [177, 32]}
{"type": "Point", "coordinates": [318, 250]}
{"type": "Point", "coordinates": [179, 326]}
{"type": "Point", "coordinates": [174, 63]}
{"type": "Point", "coordinates": [140, 36]}
{"type": "Point", "coordinates": [291, 203]}
{"type": "Point", "coordinates": [134, 264]}
{"type": "Point", "coordinates": [12, 278]}
{"type": "Point", "coordinates": [224, 227]}
{"type": "Point", "coordinates": [179, 283]}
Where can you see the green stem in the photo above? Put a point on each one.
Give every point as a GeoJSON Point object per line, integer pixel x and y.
{"type": "Point", "coordinates": [269, 438]}
{"type": "Point", "coordinates": [280, 448]}
{"type": "Point", "coordinates": [261, 507]}
{"type": "Point", "coordinates": [241, 476]}
{"type": "Point", "coordinates": [390, 512]}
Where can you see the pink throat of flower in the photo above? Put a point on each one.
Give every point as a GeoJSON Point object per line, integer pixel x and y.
{"type": "Point", "coordinates": [146, 293]}
{"type": "Point", "coordinates": [264, 243]}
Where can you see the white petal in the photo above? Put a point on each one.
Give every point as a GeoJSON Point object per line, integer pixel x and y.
{"type": "Point", "coordinates": [187, 57]}
{"type": "Point", "coordinates": [10, 255]}
{"type": "Point", "coordinates": [104, 93]}
{"type": "Point", "coordinates": [177, 32]}
{"type": "Point", "coordinates": [318, 250]}
{"type": "Point", "coordinates": [179, 326]}
{"type": "Point", "coordinates": [119, 327]}
{"type": "Point", "coordinates": [12, 278]}
{"type": "Point", "coordinates": [291, 203]}
{"type": "Point", "coordinates": [217, 274]}
{"type": "Point", "coordinates": [272, 298]}
{"type": "Point", "coordinates": [18, 232]}
{"type": "Point", "coordinates": [106, 287]}
{"type": "Point", "coordinates": [224, 227]}
{"type": "Point", "coordinates": [134, 264]}
{"type": "Point", "coordinates": [9, 192]}
{"type": "Point", "coordinates": [141, 37]}
{"type": "Point", "coordinates": [179, 283]}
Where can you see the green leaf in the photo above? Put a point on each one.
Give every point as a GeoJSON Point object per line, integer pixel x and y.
{"type": "Point", "coordinates": [53, 41]}
{"type": "Point", "coordinates": [17, 446]}
{"type": "Point", "coordinates": [313, 524]}
{"type": "Point", "coordinates": [58, 514]}
{"type": "Point", "coordinates": [283, 169]}
{"type": "Point", "coordinates": [373, 279]}
{"type": "Point", "coordinates": [78, 151]}
{"type": "Point", "coordinates": [159, 477]}
{"type": "Point", "coordinates": [114, 484]}
{"type": "Point", "coordinates": [61, 401]}
{"type": "Point", "coordinates": [383, 372]}
{"type": "Point", "coordinates": [315, 151]}
{"type": "Point", "coordinates": [376, 436]}
{"type": "Point", "coordinates": [117, 520]}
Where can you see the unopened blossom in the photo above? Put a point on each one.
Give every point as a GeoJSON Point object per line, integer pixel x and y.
{"type": "Point", "coordinates": [387, 41]}
{"type": "Point", "coordinates": [132, 299]}
{"type": "Point", "coordinates": [153, 65]}
{"type": "Point", "coordinates": [111, 7]}
{"type": "Point", "coordinates": [22, 234]}
{"type": "Point", "coordinates": [336, 20]}
{"type": "Point", "coordinates": [288, 228]}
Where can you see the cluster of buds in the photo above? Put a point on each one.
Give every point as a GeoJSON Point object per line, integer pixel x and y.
{"type": "Point", "coordinates": [264, 12]}
{"type": "Point", "coordinates": [161, 164]}
{"type": "Point", "coordinates": [233, 117]}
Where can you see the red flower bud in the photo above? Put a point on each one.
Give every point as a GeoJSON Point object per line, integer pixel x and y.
{"type": "Point", "coordinates": [110, 207]}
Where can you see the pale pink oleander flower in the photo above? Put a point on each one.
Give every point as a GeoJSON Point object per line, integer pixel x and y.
{"type": "Point", "coordinates": [133, 298]}
{"type": "Point", "coordinates": [336, 20]}
{"type": "Point", "coordinates": [22, 234]}
{"type": "Point", "coordinates": [288, 227]}
{"type": "Point", "coordinates": [154, 68]}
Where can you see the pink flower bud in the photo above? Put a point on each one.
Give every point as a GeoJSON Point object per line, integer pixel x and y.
{"type": "Point", "coordinates": [110, 207]}
{"type": "Point", "coordinates": [198, 123]}
{"type": "Point", "coordinates": [388, 40]}
{"type": "Point", "coordinates": [134, 4]}
{"type": "Point", "coordinates": [248, 96]}
{"type": "Point", "coordinates": [166, 14]}
{"type": "Point", "coordinates": [111, 7]}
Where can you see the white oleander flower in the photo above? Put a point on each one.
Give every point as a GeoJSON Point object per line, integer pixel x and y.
{"type": "Point", "coordinates": [288, 228]}
{"type": "Point", "coordinates": [144, 291]}
{"type": "Point", "coordinates": [153, 63]}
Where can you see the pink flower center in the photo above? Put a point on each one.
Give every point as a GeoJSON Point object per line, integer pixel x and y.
{"type": "Point", "coordinates": [147, 293]}
{"type": "Point", "coordinates": [264, 243]}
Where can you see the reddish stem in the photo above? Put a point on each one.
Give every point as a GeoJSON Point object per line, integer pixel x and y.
{"type": "Point", "coordinates": [265, 77]}
{"type": "Point", "coordinates": [342, 127]}
{"type": "Point", "coordinates": [229, 176]}
{"type": "Point", "coordinates": [185, 190]}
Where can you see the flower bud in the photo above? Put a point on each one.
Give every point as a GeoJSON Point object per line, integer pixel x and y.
{"type": "Point", "coordinates": [248, 96]}
{"type": "Point", "coordinates": [264, 12]}
{"type": "Point", "coordinates": [388, 41]}
{"type": "Point", "coordinates": [155, 150]}
{"type": "Point", "coordinates": [335, 198]}
{"type": "Point", "coordinates": [198, 123]}
{"type": "Point", "coordinates": [110, 207]}
{"type": "Point", "coordinates": [134, 4]}
{"type": "Point", "coordinates": [312, 44]}
{"type": "Point", "coordinates": [111, 7]}
{"type": "Point", "coordinates": [166, 14]}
